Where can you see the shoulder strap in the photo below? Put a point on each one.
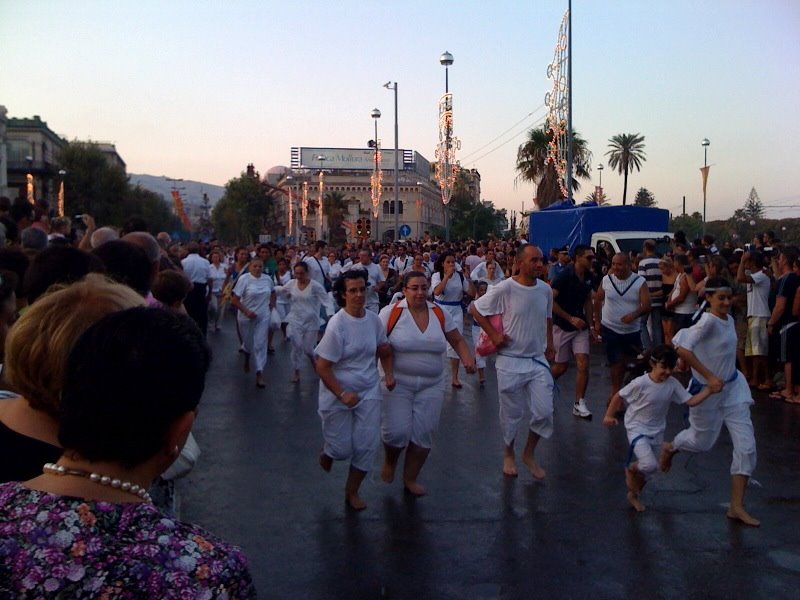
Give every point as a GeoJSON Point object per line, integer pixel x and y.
{"type": "Point", "coordinates": [394, 316]}
{"type": "Point", "coordinates": [397, 310]}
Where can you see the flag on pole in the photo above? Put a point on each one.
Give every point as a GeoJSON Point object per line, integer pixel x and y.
{"type": "Point", "coordinates": [704, 173]}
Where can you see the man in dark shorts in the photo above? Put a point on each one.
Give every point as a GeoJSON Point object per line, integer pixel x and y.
{"type": "Point", "coordinates": [572, 323]}
{"type": "Point", "coordinates": [621, 300]}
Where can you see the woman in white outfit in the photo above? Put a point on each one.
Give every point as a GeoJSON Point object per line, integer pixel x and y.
{"type": "Point", "coordinates": [418, 332]}
{"type": "Point", "coordinates": [709, 348]}
{"type": "Point", "coordinates": [254, 296]}
{"type": "Point", "coordinates": [218, 275]}
{"type": "Point", "coordinates": [283, 303]}
{"type": "Point", "coordinates": [449, 287]}
{"type": "Point", "coordinates": [306, 298]}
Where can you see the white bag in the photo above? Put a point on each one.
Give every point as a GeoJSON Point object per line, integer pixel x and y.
{"type": "Point", "coordinates": [185, 461]}
{"type": "Point", "coordinates": [274, 319]}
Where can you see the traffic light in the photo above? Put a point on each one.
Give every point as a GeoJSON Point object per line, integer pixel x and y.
{"type": "Point", "coordinates": [368, 228]}
{"type": "Point", "coordinates": [359, 227]}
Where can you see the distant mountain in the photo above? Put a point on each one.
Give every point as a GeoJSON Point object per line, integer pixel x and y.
{"type": "Point", "coordinates": [191, 191]}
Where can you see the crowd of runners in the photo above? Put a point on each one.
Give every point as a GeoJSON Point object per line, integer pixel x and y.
{"type": "Point", "coordinates": [382, 326]}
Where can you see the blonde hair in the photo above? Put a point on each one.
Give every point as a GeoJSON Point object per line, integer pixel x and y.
{"type": "Point", "coordinates": [39, 343]}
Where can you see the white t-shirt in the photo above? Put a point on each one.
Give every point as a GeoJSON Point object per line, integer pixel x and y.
{"type": "Point", "coordinates": [648, 403]}
{"type": "Point", "coordinates": [196, 268]}
{"type": "Point", "coordinates": [279, 281]}
{"type": "Point", "coordinates": [689, 304]}
{"type": "Point", "coordinates": [218, 275]}
{"type": "Point", "coordinates": [713, 341]}
{"type": "Point", "coordinates": [622, 298]}
{"type": "Point", "coordinates": [318, 269]}
{"type": "Point", "coordinates": [525, 311]}
{"type": "Point", "coordinates": [758, 295]}
{"type": "Point", "coordinates": [401, 264]}
{"type": "Point", "coordinates": [472, 261]}
{"type": "Point", "coordinates": [416, 353]}
{"type": "Point", "coordinates": [305, 304]}
{"type": "Point", "coordinates": [454, 290]}
{"type": "Point", "coordinates": [374, 276]}
{"type": "Point", "coordinates": [350, 343]}
{"type": "Point", "coordinates": [254, 292]}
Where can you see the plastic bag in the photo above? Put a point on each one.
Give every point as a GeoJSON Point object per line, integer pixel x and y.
{"type": "Point", "coordinates": [274, 319]}
{"type": "Point", "coordinates": [185, 461]}
{"type": "Point", "coordinates": [485, 346]}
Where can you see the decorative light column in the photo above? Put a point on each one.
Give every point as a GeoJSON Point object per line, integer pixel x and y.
{"type": "Point", "coordinates": [376, 181]}
{"type": "Point", "coordinates": [29, 180]}
{"type": "Point", "coordinates": [389, 85]}
{"type": "Point", "coordinates": [61, 175]}
{"type": "Point", "coordinates": [321, 193]}
{"type": "Point", "coordinates": [446, 165]}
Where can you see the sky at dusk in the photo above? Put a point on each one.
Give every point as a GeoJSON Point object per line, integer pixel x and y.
{"type": "Point", "coordinates": [197, 90]}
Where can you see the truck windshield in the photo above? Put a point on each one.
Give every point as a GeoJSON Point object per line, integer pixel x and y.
{"type": "Point", "coordinates": [629, 245]}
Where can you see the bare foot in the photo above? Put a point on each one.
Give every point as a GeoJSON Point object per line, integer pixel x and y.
{"type": "Point", "coordinates": [537, 471]}
{"type": "Point", "coordinates": [633, 500]}
{"type": "Point", "coordinates": [355, 502]}
{"type": "Point", "coordinates": [387, 472]}
{"type": "Point", "coordinates": [740, 514]}
{"type": "Point", "coordinates": [260, 381]}
{"type": "Point", "coordinates": [325, 461]}
{"type": "Point", "coordinates": [509, 466]}
{"type": "Point", "coordinates": [415, 489]}
{"type": "Point", "coordinates": [665, 460]}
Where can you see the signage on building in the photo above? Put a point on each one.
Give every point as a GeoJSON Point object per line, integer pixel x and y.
{"type": "Point", "coordinates": [351, 159]}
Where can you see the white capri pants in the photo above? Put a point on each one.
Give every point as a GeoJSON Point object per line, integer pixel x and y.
{"type": "Point", "coordinates": [303, 343]}
{"type": "Point", "coordinates": [458, 319]}
{"type": "Point", "coordinates": [411, 411]}
{"type": "Point", "coordinates": [480, 361]}
{"type": "Point", "coordinates": [644, 452]}
{"type": "Point", "coordinates": [705, 423]}
{"type": "Point", "coordinates": [533, 389]}
{"type": "Point", "coordinates": [353, 433]}
{"type": "Point", "coordinates": [254, 333]}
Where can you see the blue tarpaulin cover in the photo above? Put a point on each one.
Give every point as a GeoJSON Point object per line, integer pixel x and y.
{"type": "Point", "coordinates": [560, 225]}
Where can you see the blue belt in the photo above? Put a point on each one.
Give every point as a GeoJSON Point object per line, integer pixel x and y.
{"type": "Point", "coordinates": [443, 303]}
{"type": "Point", "coordinates": [695, 386]}
{"type": "Point", "coordinates": [629, 459]}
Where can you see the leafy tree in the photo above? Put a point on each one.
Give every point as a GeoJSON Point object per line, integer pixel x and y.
{"type": "Point", "coordinates": [472, 219]}
{"type": "Point", "coordinates": [601, 198]}
{"type": "Point", "coordinates": [532, 165]}
{"type": "Point", "coordinates": [153, 209]}
{"type": "Point", "coordinates": [644, 197]}
{"type": "Point", "coordinates": [626, 153]}
{"type": "Point", "coordinates": [92, 185]}
{"type": "Point", "coordinates": [240, 215]}
{"type": "Point", "coordinates": [691, 225]}
{"type": "Point", "coordinates": [753, 208]}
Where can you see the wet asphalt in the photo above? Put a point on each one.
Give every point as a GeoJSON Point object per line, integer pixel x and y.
{"type": "Point", "coordinates": [477, 534]}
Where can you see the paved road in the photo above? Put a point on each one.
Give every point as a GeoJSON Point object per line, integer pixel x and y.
{"type": "Point", "coordinates": [476, 534]}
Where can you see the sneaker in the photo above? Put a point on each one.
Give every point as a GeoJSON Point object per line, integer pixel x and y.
{"type": "Point", "coordinates": [579, 410]}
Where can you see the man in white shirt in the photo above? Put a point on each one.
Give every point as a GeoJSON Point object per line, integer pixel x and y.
{"type": "Point", "coordinates": [375, 279]}
{"type": "Point", "coordinates": [402, 261]}
{"type": "Point", "coordinates": [756, 346]}
{"type": "Point", "coordinates": [481, 271]}
{"type": "Point", "coordinates": [198, 270]}
{"type": "Point", "coordinates": [620, 302]}
{"type": "Point", "coordinates": [525, 344]}
{"type": "Point", "coordinates": [318, 267]}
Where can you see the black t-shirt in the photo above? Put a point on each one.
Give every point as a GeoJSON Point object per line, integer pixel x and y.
{"type": "Point", "coordinates": [572, 295]}
{"type": "Point", "coordinates": [787, 288]}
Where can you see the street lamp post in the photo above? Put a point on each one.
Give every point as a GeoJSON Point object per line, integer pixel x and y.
{"type": "Point", "coordinates": [389, 85]}
{"type": "Point", "coordinates": [377, 175]}
{"type": "Point", "coordinates": [446, 155]}
{"type": "Point", "coordinates": [600, 169]}
{"type": "Point", "coordinates": [705, 143]}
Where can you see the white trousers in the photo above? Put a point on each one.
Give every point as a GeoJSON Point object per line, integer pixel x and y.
{"type": "Point", "coordinates": [411, 411]}
{"type": "Point", "coordinates": [303, 343]}
{"type": "Point", "coordinates": [645, 451]}
{"type": "Point", "coordinates": [352, 433]}
{"type": "Point", "coordinates": [705, 423]}
{"type": "Point", "coordinates": [517, 391]}
{"type": "Point", "coordinates": [254, 334]}
{"type": "Point", "coordinates": [458, 319]}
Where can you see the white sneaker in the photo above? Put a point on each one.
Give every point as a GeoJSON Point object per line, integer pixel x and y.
{"type": "Point", "coordinates": [579, 410]}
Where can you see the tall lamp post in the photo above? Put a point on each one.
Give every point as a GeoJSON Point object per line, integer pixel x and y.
{"type": "Point", "coordinates": [600, 169]}
{"type": "Point", "coordinates": [389, 85]}
{"type": "Point", "coordinates": [446, 166]}
{"type": "Point", "coordinates": [705, 143]}
{"type": "Point", "coordinates": [377, 175]}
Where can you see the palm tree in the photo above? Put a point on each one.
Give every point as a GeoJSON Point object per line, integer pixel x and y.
{"type": "Point", "coordinates": [532, 165]}
{"type": "Point", "coordinates": [334, 207]}
{"type": "Point", "coordinates": [626, 153]}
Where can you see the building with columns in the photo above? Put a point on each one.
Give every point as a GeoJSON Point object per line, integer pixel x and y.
{"type": "Point", "coordinates": [349, 171]}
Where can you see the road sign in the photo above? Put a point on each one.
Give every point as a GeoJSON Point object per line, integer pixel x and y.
{"type": "Point", "coordinates": [405, 230]}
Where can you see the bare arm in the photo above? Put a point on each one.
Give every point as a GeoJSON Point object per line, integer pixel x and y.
{"type": "Point", "coordinates": [459, 344]}
{"type": "Point", "coordinates": [699, 396]}
{"type": "Point", "coordinates": [86, 240]}
{"type": "Point", "coordinates": [715, 384]}
{"type": "Point", "coordinates": [384, 354]}
{"type": "Point", "coordinates": [236, 302]}
{"type": "Point", "coordinates": [550, 349]}
{"type": "Point", "coordinates": [599, 298]}
{"type": "Point", "coordinates": [741, 276]}
{"type": "Point", "coordinates": [614, 407]}
{"type": "Point", "coordinates": [324, 369]}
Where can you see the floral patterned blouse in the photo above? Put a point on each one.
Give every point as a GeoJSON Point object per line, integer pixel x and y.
{"type": "Point", "coordinates": [66, 547]}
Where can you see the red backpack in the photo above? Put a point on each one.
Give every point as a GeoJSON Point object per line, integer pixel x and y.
{"type": "Point", "coordinates": [397, 310]}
